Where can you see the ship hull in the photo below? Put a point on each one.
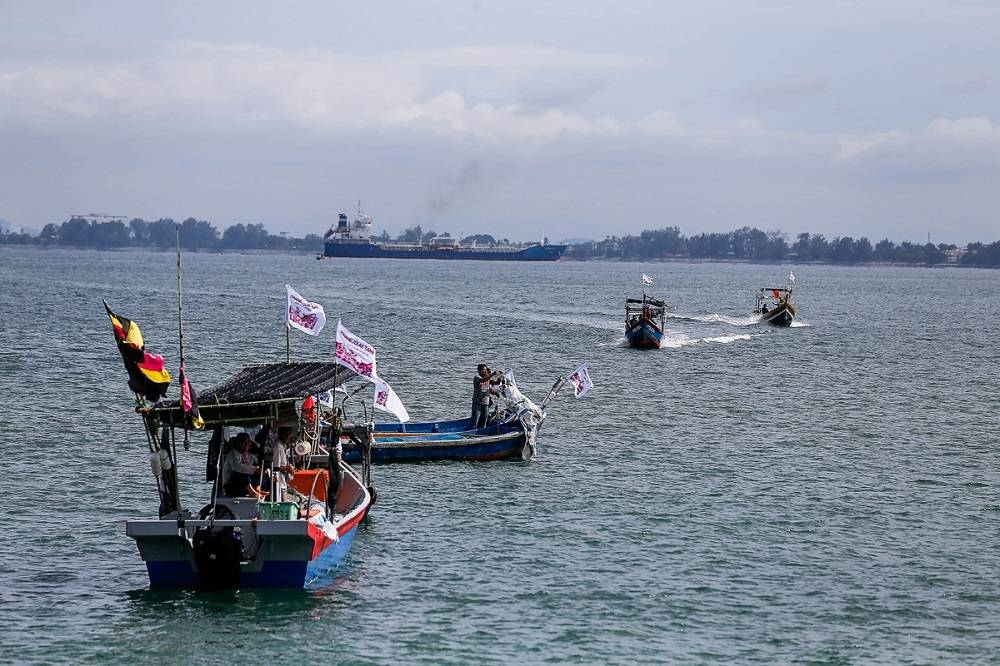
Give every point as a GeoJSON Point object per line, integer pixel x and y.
{"type": "Point", "coordinates": [644, 335]}
{"type": "Point", "coordinates": [377, 251]}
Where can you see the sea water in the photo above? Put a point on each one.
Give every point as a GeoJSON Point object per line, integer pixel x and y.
{"type": "Point", "coordinates": [827, 493]}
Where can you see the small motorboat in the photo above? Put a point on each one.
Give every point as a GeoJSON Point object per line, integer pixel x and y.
{"type": "Point", "coordinates": [645, 322]}
{"type": "Point", "coordinates": [494, 442]}
{"type": "Point", "coordinates": [774, 306]}
{"type": "Point", "coordinates": [511, 432]}
{"type": "Point", "coordinates": [289, 536]}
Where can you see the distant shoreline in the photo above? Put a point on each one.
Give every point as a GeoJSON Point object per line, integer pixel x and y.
{"type": "Point", "coordinates": [565, 259]}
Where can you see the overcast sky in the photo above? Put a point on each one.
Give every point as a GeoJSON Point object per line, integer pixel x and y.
{"type": "Point", "coordinates": [571, 119]}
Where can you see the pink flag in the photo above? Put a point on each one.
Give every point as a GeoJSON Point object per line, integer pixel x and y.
{"type": "Point", "coordinates": [189, 401]}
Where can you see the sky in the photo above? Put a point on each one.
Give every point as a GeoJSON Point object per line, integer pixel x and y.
{"type": "Point", "coordinates": [569, 120]}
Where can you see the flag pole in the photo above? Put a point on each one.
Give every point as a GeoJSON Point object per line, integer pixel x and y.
{"type": "Point", "coordinates": [288, 329]}
{"type": "Point", "coordinates": [180, 334]}
{"type": "Point", "coordinates": [180, 298]}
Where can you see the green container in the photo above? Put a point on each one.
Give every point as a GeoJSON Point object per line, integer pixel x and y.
{"type": "Point", "coordinates": [277, 510]}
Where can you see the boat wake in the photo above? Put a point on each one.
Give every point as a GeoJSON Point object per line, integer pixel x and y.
{"type": "Point", "coordinates": [716, 318]}
{"type": "Point", "coordinates": [678, 340]}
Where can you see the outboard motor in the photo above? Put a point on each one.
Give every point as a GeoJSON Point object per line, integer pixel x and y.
{"type": "Point", "coordinates": [217, 552]}
{"type": "Point", "coordinates": [217, 555]}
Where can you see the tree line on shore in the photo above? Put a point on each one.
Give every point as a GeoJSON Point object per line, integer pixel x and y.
{"type": "Point", "coordinates": [751, 244]}
{"type": "Point", "coordinates": [746, 244]}
{"type": "Point", "coordinates": [194, 235]}
{"type": "Point", "coordinates": [162, 234]}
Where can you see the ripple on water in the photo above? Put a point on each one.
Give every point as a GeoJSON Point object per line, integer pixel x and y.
{"type": "Point", "coordinates": [818, 494]}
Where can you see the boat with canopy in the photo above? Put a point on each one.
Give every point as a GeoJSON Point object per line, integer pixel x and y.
{"type": "Point", "coordinates": [295, 522]}
{"type": "Point", "coordinates": [645, 322]}
{"type": "Point", "coordinates": [774, 306]}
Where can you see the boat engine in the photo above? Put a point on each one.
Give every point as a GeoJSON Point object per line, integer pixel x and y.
{"type": "Point", "coordinates": [217, 555]}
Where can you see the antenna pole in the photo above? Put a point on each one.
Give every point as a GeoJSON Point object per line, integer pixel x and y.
{"type": "Point", "coordinates": [180, 338]}
{"type": "Point", "coordinates": [180, 298]}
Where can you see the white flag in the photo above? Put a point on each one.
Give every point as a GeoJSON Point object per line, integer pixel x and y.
{"type": "Point", "coordinates": [580, 379]}
{"type": "Point", "coordinates": [387, 400]}
{"type": "Point", "coordinates": [791, 277]}
{"type": "Point", "coordinates": [301, 314]}
{"type": "Point", "coordinates": [359, 356]}
{"type": "Point", "coordinates": [646, 280]}
{"type": "Point", "coordinates": [355, 353]}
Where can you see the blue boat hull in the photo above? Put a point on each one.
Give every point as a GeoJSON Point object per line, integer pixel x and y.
{"type": "Point", "coordinates": [420, 443]}
{"type": "Point", "coordinates": [644, 335]}
{"type": "Point", "coordinates": [377, 251]}
{"type": "Point", "coordinates": [455, 425]}
{"type": "Point", "coordinates": [273, 574]}
{"type": "Point", "coordinates": [274, 552]}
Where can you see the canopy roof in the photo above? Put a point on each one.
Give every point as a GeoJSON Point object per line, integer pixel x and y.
{"type": "Point", "coordinates": [261, 392]}
{"type": "Point", "coordinates": [781, 289]}
{"type": "Point", "coordinates": [649, 301]}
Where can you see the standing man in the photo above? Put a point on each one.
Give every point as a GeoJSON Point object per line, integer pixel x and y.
{"type": "Point", "coordinates": [480, 396]}
{"type": "Point", "coordinates": [283, 469]}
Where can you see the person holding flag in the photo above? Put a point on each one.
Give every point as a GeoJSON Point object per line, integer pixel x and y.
{"type": "Point", "coordinates": [481, 391]}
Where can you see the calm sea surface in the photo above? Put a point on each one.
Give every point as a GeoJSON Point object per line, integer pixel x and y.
{"type": "Point", "coordinates": [828, 493]}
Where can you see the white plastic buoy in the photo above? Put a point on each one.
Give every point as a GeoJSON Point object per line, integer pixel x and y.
{"type": "Point", "coordinates": [154, 463]}
{"type": "Point", "coordinates": [165, 463]}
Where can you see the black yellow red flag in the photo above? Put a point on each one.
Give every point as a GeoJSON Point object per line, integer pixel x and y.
{"type": "Point", "coordinates": [146, 374]}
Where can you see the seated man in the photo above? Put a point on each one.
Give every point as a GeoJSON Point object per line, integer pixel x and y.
{"type": "Point", "coordinates": [240, 471]}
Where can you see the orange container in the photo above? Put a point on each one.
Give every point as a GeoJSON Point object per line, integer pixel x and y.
{"type": "Point", "coordinates": [311, 480]}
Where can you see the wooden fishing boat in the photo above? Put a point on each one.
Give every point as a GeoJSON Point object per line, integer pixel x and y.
{"type": "Point", "coordinates": [774, 306]}
{"type": "Point", "coordinates": [494, 442]}
{"type": "Point", "coordinates": [288, 538]}
{"type": "Point", "coordinates": [511, 432]}
{"type": "Point", "coordinates": [645, 322]}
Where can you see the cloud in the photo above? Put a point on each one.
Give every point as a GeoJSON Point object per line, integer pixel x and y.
{"type": "Point", "coordinates": [469, 139]}
{"type": "Point", "coordinates": [778, 92]}
{"type": "Point", "coordinates": [944, 149]}
{"type": "Point", "coordinates": [226, 88]}
{"type": "Point", "coordinates": [972, 85]}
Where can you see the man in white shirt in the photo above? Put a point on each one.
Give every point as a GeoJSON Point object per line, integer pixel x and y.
{"type": "Point", "coordinates": [281, 464]}
{"type": "Point", "coordinates": [240, 471]}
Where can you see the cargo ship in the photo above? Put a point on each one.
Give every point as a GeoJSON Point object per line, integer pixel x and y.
{"type": "Point", "coordinates": [353, 239]}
